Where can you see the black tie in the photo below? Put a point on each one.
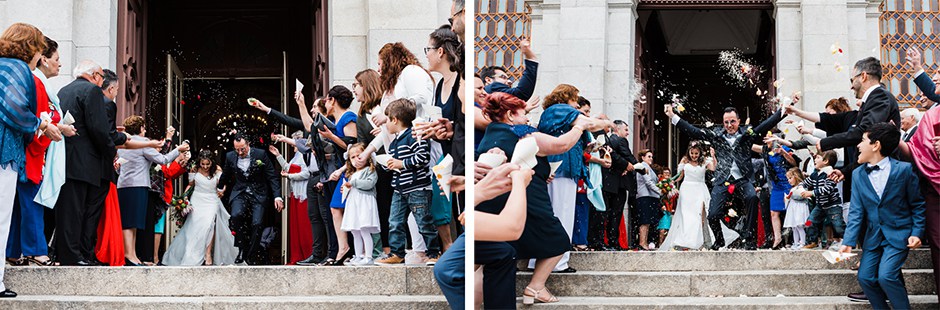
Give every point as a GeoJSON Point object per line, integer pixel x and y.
{"type": "Point", "coordinates": [871, 168]}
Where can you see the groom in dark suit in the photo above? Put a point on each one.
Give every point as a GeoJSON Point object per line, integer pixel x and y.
{"type": "Point", "coordinates": [733, 149]}
{"type": "Point", "coordinates": [252, 181]}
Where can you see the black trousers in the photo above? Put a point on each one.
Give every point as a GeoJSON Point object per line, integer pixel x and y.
{"type": "Point", "coordinates": [383, 199]}
{"type": "Point", "coordinates": [321, 220]}
{"type": "Point", "coordinates": [77, 212]}
{"type": "Point", "coordinates": [718, 209]}
{"type": "Point", "coordinates": [498, 260]}
{"type": "Point", "coordinates": [247, 222]}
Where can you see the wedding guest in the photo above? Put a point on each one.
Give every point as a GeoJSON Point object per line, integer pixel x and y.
{"type": "Point", "coordinates": [369, 94]}
{"type": "Point", "coordinates": [910, 117]}
{"type": "Point", "coordinates": [134, 184]}
{"type": "Point", "coordinates": [21, 46]}
{"type": "Point", "coordinates": [647, 197]}
{"type": "Point", "coordinates": [894, 216]}
{"type": "Point", "coordinates": [170, 172]}
{"type": "Point", "coordinates": [561, 113]}
{"type": "Point", "coordinates": [443, 57]}
{"type": "Point", "coordinates": [495, 78]}
{"type": "Point", "coordinates": [321, 164]}
{"type": "Point", "coordinates": [296, 171]}
{"type": "Point", "coordinates": [362, 217]}
{"type": "Point", "coordinates": [797, 208]}
{"type": "Point", "coordinates": [337, 106]}
{"type": "Point", "coordinates": [826, 203]}
{"type": "Point", "coordinates": [27, 240]}
{"type": "Point", "coordinates": [53, 172]}
{"type": "Point", "coordinates": [412, 178]}
{"type": "Point", "coordinates": [544, 238]}
{"type": "Point", "coordinates": [778, 159]}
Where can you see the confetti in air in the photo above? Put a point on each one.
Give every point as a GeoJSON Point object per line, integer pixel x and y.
{"type": "Point", "coordinates": [838, 67]}
{"type": "Point", "coordinates": [656, 122]}
{"type": "Point", "coordinates": [778, 83]}
{"type": "Point", "coordinates": [836, 49]}
{"type": "Point", "coordinates": [738, 68]}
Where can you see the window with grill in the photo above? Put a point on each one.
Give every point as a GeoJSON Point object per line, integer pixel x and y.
{"type": "Point", "coordinates": [500, 24]}
{"type": "Point", "coordinates": [904, 24]}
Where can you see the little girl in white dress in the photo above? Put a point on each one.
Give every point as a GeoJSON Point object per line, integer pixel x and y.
{"type": "Point", "coordinates": [797, 208]}
{"type": "Point", "coordinates": [362, 212]}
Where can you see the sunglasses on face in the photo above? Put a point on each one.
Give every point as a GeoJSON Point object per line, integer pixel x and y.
{"type": "Point", "coordinates": [451, 19]}
{"type": "Point", "coordinates": [852, 80]}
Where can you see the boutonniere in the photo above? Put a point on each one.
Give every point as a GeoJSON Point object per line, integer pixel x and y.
{"type": "Point", "coordinates": [259, 163]}
{"type": "Point", "coordinates": [750, 131]}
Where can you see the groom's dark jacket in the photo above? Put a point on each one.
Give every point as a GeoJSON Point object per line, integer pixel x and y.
{"type": "Point", "coordinates": [260, 181]}
{"type": "Point", "coordinates": [738, 153]}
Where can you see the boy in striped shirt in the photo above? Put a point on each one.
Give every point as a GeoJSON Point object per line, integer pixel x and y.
{"type": "Point", "coordinates": [411, 181]}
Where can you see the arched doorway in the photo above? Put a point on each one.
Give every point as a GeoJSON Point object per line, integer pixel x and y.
{"type": "Point", "coordinates": [226, 51]}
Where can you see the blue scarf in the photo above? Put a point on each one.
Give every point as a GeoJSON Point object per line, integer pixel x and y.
{"type": "Point", "coordinates": [18, 121]}
{"type": "Point", "coordinates": [556, 121]}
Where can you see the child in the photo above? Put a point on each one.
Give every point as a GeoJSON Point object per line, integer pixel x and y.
{"type": "Point", "coordinates": [797, 208]}
{"type": "Point", "coordinates": [893, 216]}
{"type": "Point", "coordinates": [826, 200]}
{"type": "Point", "coordinates": [362, 211]}
{"type": "Point", "coordinates": [411, 180]}
{"type": "Point", "coordinates": [667, 185]}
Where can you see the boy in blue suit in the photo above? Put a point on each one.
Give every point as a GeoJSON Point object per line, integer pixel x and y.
{"type": "Point", "coordinates": [893, 216]}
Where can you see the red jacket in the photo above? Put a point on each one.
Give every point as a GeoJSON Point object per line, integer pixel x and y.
{"type": "Point", "coordinates": [170, 173]}
{"type": "Point", "coordinates": [36, 150]}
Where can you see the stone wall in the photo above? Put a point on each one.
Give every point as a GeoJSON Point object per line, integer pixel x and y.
{"type": "Point", "coordinates": [84, 29]}
{"type": "Point", "coordinates": [590, 44]}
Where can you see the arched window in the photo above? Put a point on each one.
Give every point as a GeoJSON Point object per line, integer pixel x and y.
{"type": "Point", "coordinates": [500, 24]}
{"type": "Point", "coordinates": [904, 24]}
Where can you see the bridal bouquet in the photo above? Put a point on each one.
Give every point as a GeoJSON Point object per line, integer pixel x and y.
{"type": "Point", "coordinates": [181, 206]}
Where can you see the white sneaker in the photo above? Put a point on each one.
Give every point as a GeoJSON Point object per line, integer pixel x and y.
{"type": "Point", "coordinates": [835, 246]}
{"type": "Point", "coordinates": [354, 261]}
{"type": "Point", "coordinates": [366, 261]}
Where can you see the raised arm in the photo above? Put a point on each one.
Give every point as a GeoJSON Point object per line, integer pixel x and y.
{"type": "Point", "coordinates": [923, 82]}
{"type": "Point", "coordinates": [877, 112]}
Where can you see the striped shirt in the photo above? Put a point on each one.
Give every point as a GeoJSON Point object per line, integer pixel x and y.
{"type": "Point", "coordinates": [415, 155]}
{"type": "Point", "coordinates": [825, 194]}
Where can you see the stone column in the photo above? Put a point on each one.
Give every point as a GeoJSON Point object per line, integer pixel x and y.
{"type": "Point", "coordinates": [788, 22]}
{"type": "Point", "coordinates": [620, 65]}
{"type": "Point", "coordinates": [825, 22]}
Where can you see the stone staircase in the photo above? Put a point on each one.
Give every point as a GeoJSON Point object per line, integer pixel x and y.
{"type": "Point", "coordinates": [720, 280]}
{"type": "Point", "coordinates": [229, 287]}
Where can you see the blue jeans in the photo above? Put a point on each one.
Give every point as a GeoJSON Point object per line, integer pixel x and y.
{"type": "Point", "coordinates": [818, 216]}
{"type": "Point", "coordinates": [27, 236]}
{"type": "Point", "coordinates": [449, 273]}
{"type": "Point", "coordinates": [418, 203]}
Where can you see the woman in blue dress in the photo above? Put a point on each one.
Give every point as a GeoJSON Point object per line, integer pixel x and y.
{"type": "Point", "coordinates": [337, 105]}
{"type": "Point", "coordinates": [778, 159]}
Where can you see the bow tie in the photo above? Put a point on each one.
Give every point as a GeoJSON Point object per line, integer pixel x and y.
{"type": "Point", "coordinates": [871, 168]}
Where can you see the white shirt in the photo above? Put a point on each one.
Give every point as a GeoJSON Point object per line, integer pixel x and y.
{"type": "Point", "coordinates": [244, 163]}
{"type": "Point", "coordinates": [731, 139]}
{"type": "Point", "coordinates": [879, 178]}
{"type": "Point", "coordinates": [868, 92]}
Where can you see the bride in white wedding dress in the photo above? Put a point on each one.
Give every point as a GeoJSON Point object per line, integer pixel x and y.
{"type": "Point", "coordinates": [689, 229]}
{"type": "Point", "coordinates": [205, 237]}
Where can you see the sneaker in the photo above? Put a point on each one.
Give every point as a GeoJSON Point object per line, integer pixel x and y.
{"type": "Point", "coordinates": [810, 246]}
{"type": "Point", "coordinates": [416, 258]}
{"type": "Point", "coordinates": [431, 261]}
{"type": "Point", "coordinates": [858, 297]}
{"type": "Point", "coordinates": [354, 261]}
{"type": "Point", "coordinates": [835, 246]}
{"type": "Point", "coordinates": [366, 261]}
{"type": "Point", "coordinates": [391, 260]}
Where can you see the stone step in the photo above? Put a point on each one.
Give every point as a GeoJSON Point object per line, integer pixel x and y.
{"type": "Point", "coordinates": [720, 260]}
{"type": "Point", "coordinates": [245, 281]}
{"type": "Point", "coordinates": [729, 303]}
{"type": "Point", "coordinates": [717, 283]}
{"type": "Point", "coordinates": [212, 303]}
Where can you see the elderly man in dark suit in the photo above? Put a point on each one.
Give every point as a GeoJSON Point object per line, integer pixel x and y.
{"type": "Point", "coordinates": [87, 176]}
{"type": "Point", "coordinates": [733, 148]}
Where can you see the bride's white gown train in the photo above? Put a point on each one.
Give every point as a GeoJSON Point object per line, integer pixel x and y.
{"type": "Point", "coordinates": [208, 219]}
{"type": "Point", "coordinates": [689, 227]}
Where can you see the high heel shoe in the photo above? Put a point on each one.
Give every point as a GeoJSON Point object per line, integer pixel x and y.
{"type": "Point", "coordinates": [531, 299]}
{"type": "Point", "coordinates": [341, 260]}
